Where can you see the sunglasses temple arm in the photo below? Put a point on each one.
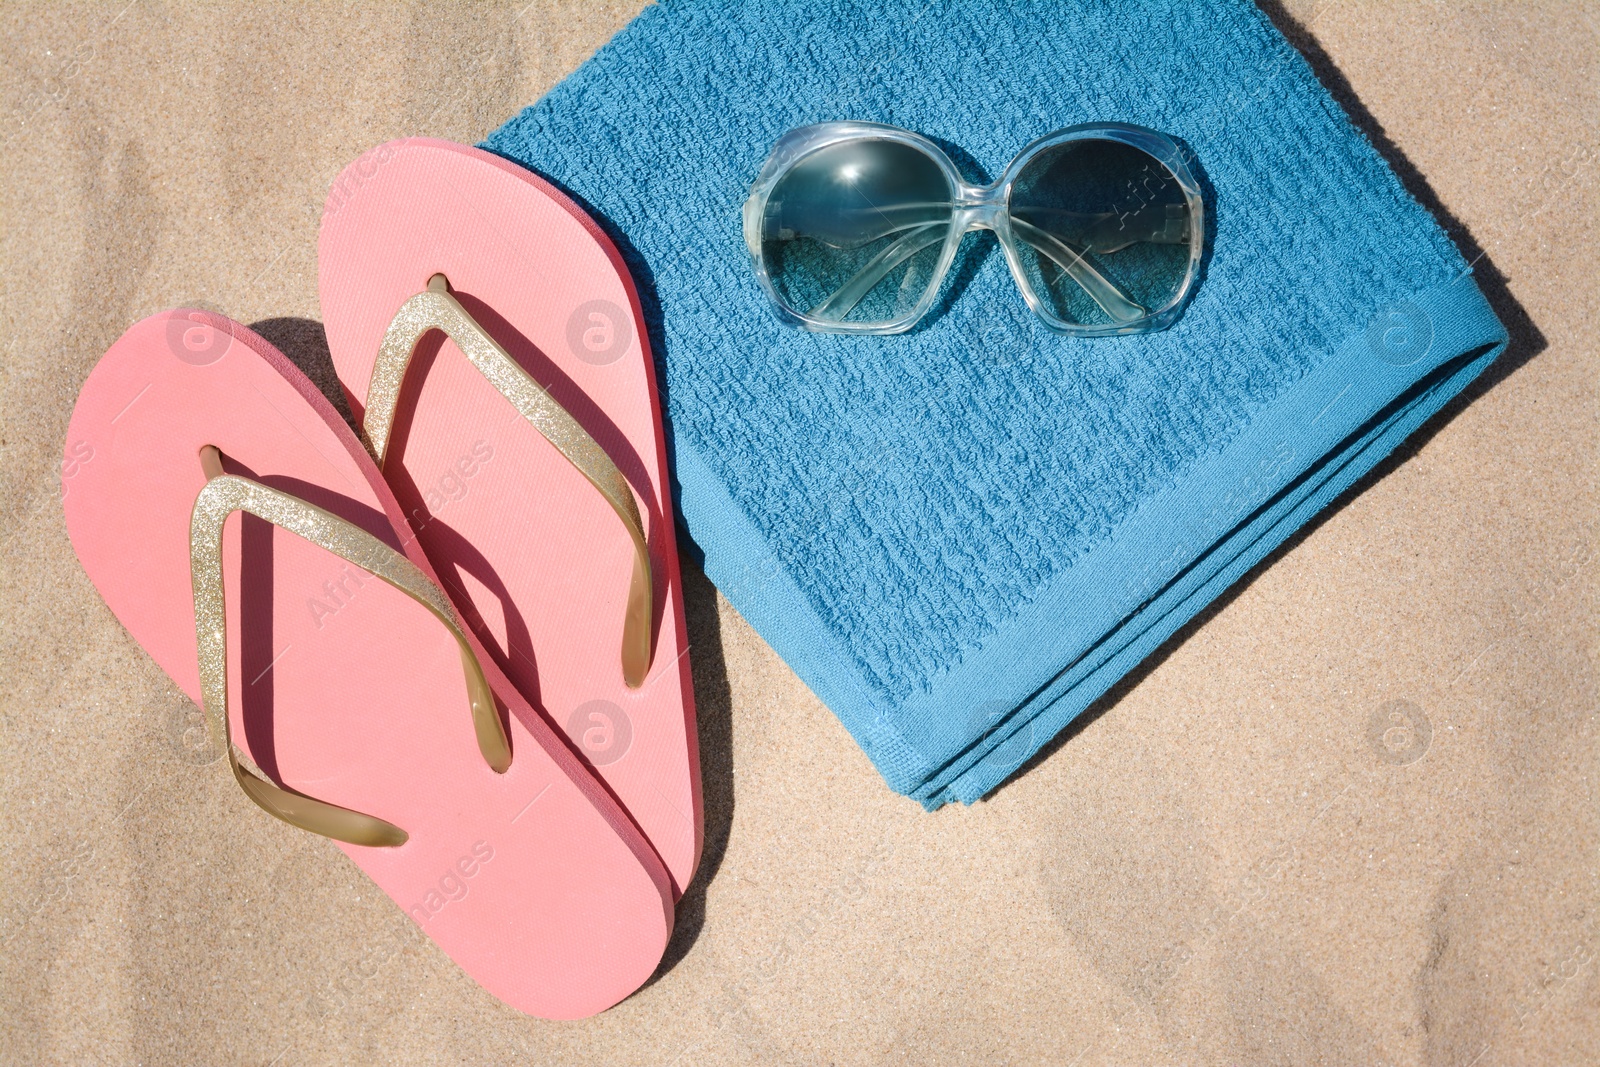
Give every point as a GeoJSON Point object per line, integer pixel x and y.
{"type": "Point", "coordinates": [844, 299]}
{"type": "Point", "coordinates": [1112, 300]}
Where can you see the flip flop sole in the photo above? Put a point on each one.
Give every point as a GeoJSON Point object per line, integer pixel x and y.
{"type": "Point", "coordinates": [534, 880]}
{"type": "Point", "coordinates": [514, 530]}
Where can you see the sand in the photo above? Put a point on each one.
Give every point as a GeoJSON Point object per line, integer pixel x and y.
{"type": "Point", "coordinates": [1228, 861]}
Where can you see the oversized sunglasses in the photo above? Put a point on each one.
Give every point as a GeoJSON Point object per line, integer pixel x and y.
{"type": "Point", "coordinates": [852, 226]}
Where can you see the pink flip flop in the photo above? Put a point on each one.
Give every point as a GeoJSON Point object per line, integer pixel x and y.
{"type": "Point", "coordinates": [489, 340]}
{"type": "Point", "coordinates": [314, 633]}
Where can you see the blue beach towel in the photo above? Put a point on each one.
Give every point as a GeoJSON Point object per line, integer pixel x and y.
{"type": "Point", "coordinates": [962, 536]}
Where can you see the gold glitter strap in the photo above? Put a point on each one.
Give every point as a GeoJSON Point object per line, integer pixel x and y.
{"type": "Point", "coordinates": [224, 494]}
{"type": "Point", "coordinates": [437, 309]}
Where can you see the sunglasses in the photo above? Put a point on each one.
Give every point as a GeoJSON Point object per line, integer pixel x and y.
{"type": "Point", "coordinates": [852, 226]}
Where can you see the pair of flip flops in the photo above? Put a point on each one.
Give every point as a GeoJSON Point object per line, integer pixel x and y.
{"type": "Point", "coordinates": [458, 649]}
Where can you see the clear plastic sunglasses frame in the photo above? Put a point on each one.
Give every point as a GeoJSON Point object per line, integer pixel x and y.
{"type": "Point", "coordinates": [986, 207]}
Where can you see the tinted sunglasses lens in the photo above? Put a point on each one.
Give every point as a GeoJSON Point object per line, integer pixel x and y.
{"type": "Point", "coordinates": [1102, 229]}
{"type": "Point", "coordinates": [853, 232]}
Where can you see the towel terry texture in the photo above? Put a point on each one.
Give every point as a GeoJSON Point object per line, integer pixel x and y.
{"type": "Point", "coordinates": [962, 536]}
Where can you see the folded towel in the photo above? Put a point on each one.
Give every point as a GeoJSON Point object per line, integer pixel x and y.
{"type": "Point", "coordinates": [961, 536]}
